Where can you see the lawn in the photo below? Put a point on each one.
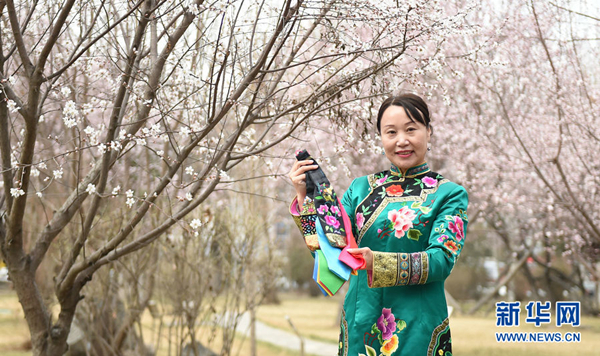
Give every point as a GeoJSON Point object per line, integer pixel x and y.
{"type": "Point", "coordinates": [317, 318]}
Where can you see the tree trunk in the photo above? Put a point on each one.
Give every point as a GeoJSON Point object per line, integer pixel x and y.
{"type": "Point", "coordinates": [503, 281]}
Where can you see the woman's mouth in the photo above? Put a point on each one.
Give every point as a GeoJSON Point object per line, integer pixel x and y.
{"type": "Point", "coordinates": [404, 154]}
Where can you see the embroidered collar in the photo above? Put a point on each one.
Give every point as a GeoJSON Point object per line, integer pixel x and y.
{"type": "Point", "coordinates": [412, 171]}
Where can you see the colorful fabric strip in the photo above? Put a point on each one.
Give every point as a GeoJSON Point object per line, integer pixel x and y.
{"type": "Point", "coordinates": [328, 281]}
{"type": "Point", "coordinates": [352, 261]}
{"type": "Point", "coordinates": [325, 199]}
{"type": "Point", "coordinates": [332, 255]}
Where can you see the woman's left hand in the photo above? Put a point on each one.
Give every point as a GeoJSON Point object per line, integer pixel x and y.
{"type": "Point", "coordinates": [366, 253]}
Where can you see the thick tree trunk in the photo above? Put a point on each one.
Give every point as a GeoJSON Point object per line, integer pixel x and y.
{"type": "Point", "coordinates": [36, 315]}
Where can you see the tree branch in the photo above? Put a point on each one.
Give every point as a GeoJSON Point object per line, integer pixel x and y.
{"type": "Point", "coordinates": [57, 29]}
{"type": "Point", "coordinates": [18, 36]}
{"type": "Point", "coordinates": [75, 57]}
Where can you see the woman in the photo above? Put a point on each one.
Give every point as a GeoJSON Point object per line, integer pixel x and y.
{"type": "Point", "coordinates": [410, 224]}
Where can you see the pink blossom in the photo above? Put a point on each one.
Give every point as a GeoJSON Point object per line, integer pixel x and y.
{"type": "Point", "coordinates": [430, 182]}
{"type": "Point", "coordinates": [331, 221]}
{"type": "Point", "coordinates": [360, 220]}
{"type": "Point", "coordinates": [402, 220]}
{"type": "Point", "coordinates": [457, 227]}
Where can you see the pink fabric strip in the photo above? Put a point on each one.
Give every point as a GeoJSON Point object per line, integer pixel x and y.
{"type": "Point", "coordinates": [353, 261]}
{"type": "Point", "coordinates": [295, 207]}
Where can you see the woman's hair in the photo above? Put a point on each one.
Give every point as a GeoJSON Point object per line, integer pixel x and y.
{"type": "Point", "coordinates": [414, 106]}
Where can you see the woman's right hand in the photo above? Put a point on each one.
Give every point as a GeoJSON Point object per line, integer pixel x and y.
{"type": "Point", "coordinates": [298, 177]}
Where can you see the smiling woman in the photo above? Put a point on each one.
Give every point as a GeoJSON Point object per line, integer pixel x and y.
{"type": "Point", "coordinates": [410, 226]}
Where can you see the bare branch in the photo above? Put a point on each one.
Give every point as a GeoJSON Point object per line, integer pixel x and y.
{"type": "Point", "coordinates": [18, 36]}
{"type": "Point", "coordinates": [57, 29]}
{"type": "Point", "coordinates": [106, 158]}
{"type": "Point", "coordinates": [575, 12]}
{"type": "Point", "coordinates": [93, 41]}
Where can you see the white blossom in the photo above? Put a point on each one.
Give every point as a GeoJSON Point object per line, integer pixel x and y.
{"type": "Point", "coordinates": [89, 130]}
{"type": "Point", "coordinates": [155, 130]}
{"type": "Point", "coordinates": [116, 145]}
{"type": "Point", "coordinates": [12, 106]}
{"type": "Point", "coordinates": [91, 188]}
{"type": "Point", "coordinates": [66, 91]}
{"type": "Point", "coordinates": [57, 173]}
{"type": "Point", "coordinates": [184, 132]}
{"type": "Point", "coordinates": [16, 192]}
{"type": "Point", "coordinates": [223, 175]}
{"type": "Point", "coordinates": [35, 172]}
{"type": "Point", "coordinates": [189, 196]}
{"type": "Point", "coordinates": [129, 193]}
{"type": "Point", "coordinates": [130, 202]}
{"type": "Point", "coordinates": [101, 148]}
{"type": "Point", "coordinates": [160, 153]}
{"type": "Point", "coordinates": [195, 224]}
{"type": "Point", "coordinates": [39, 194]}
{"type": "Point", "coordinates": [189, 170]}
{"type": "Point", "coordinates": [116, 190]}
{"type": "Point", "coordinates": [70, 114]}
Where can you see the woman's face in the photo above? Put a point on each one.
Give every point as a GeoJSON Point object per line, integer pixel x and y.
{"type": "Point", "coordinates": [404, 141]}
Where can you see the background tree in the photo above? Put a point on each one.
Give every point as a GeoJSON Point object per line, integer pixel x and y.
{"type": "Point", "coordinates": [119, 118]}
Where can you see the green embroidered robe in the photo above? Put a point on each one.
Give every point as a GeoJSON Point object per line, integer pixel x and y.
{"type": "Point", "coordinates": [415, 224]}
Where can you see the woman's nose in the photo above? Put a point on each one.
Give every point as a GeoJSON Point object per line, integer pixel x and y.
{"type": "Point", "coordinates": [401, 141]}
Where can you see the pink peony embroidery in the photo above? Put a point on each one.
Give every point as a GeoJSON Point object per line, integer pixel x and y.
{"type": "Point", "coordinates": [442, 238]}
{"type": "Point", "coordinates": [360, 220]}
{"type": "Point", "coordinates": [401, 220]}
{"type": "Point", "coordinates": [323, 209]}
{"type": "Point", "coordinates": [331, 221]}
{"type": "Point", "coordinates": [457, 227]}
{"type": "Point", "coordinates": [430, 182]}
{"type": "Point", "coordinates": [335, 210]}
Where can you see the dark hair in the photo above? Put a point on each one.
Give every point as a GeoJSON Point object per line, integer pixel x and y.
{"type": "Point", "coordinates": [414, 106]}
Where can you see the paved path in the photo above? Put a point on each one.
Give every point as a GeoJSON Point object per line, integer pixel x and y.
{"type": "Point", "coordinates": [286, 339]}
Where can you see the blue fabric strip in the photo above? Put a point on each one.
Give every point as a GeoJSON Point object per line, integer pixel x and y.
{"type": "Point", "coordinates": [332, 255]}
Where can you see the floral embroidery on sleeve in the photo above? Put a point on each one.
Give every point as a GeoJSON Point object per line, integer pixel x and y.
{"type": "Point", "coordinates": [457, 227]}
{"type": "Point", "coordinates": [452, 241]}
